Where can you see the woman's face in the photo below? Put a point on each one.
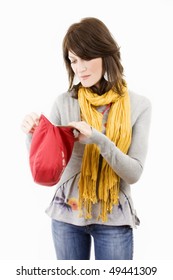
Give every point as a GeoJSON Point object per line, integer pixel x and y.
{"type": "Point", "coordinates": [89, 72]}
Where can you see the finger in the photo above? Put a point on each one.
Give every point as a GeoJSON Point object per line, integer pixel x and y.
{"type": "Point", "coordinates": [30, 122]}
{"type": "Point", "coordinates": [35, 117]}
{"type": "Point", "coordinates": [27, 125]}
{"type": "Point", "coordinates": [27, 128]}
{"type": "Point", "coordinates": [32, 118]}
{"type": "Point", "coordinates": [73, 124]}
{"type": "Point", "coordinates": [79, 125]}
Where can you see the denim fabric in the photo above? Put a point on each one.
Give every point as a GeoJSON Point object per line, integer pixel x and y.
{"type": "Point", "coordinates": [74, 242]}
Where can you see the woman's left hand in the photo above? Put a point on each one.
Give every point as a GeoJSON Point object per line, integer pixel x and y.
{"type": "Point", "coordinates": [84, 130]}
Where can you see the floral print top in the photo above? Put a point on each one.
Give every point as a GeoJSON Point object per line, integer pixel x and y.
{"type": "Point", "coordinates": [64, 205]}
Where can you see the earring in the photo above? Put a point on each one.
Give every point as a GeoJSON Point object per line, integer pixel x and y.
{"type": "Point", "coordinates": [106, 76]}
{"type": "Point", "coordinates": [76, 80]}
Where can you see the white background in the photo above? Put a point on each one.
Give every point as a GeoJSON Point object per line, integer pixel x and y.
{"type": "Point", "coordinates": [32, 74]}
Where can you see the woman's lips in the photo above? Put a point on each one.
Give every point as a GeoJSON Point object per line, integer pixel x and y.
{"type": "Point", "coordinates": [84, 77]}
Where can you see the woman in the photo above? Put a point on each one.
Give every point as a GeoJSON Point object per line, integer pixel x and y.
{"type": "Point", "coordinates": [93, 197]}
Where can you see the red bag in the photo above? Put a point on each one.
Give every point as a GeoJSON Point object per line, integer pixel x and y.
{"type": "Point", "coordinates": [50, 151]}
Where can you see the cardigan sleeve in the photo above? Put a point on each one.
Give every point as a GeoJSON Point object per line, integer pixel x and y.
{"type": "Point", "coordinates": [128, 166]}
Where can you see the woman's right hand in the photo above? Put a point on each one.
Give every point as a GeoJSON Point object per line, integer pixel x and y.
{"type": "Point", "coordinates": [30, 122]}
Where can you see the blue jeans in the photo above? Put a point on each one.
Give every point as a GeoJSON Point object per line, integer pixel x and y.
{"type": "Point", "coordinates": [74, 242]}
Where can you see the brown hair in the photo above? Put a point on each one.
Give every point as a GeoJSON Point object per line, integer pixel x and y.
{"type": "Point", "coordinates": [89, 39]}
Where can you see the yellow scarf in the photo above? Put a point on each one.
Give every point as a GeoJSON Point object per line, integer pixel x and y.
{"type": "Point", "coordinates": [103, 187]}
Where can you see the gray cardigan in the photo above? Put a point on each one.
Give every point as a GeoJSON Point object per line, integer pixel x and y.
{"type": "Point", "coordinates": [129, 167]}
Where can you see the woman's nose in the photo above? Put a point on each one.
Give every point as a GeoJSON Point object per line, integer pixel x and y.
{"type": "Point", "coordinates": [81, 67]}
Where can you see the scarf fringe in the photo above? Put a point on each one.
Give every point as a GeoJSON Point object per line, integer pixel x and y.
{"type": "Point", "coordinates": [102, 188]}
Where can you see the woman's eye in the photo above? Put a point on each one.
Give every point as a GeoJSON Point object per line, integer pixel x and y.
{"type": "Point", "coordinates": [73, 61]}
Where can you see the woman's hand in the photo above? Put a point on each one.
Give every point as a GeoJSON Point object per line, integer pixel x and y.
{"type": "Point", "coordinates": [30, 122]}
{"type": "Point", "coordinates": [84, 130]}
